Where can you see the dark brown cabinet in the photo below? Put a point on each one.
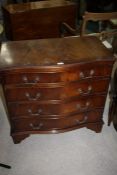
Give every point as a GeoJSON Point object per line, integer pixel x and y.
{"type": "Point", "coordinates": [35, 20]}
{"type": "Point", "coordinates": [55, 85]}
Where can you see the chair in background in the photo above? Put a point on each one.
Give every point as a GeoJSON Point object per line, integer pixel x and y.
{"type": "Point", "coordinates": [101, 18]}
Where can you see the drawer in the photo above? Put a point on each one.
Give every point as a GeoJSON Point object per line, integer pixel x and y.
{"type": "Point", "coordinates": [84, 88]}
{"type": "Point", "coordinates": [19, 110]}
{"type": "Point", "coordinates": [36, 124]}
{"type": "Point", "coordinates": [31, 78]}
{"type": "Point", "coordinates": [84, 104]}
{"type": "Point", "coordinates": [32, 94]}
{"type": "Point", "coordinates": [87, 71]}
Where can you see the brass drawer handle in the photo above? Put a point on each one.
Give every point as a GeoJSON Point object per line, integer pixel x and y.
{"type": "Point", "coordinates": [83, 121]}
{"type": "Point", "coordinates": [36, 127]}
{"type": "Point", "coordinates": [91, 73]}
{"type": "Point", "coordinates": [82, 75]}
{"type": "Point", "coordinates": [32, 98]}
{"type": "Point", "coordinates": [35, 114]}
{"type": "Point", "coordinates": [89, 90]}
{"type": "Point", "coordinates": [25, 79]}
{"type": "Point", "coordinates": [78, 106]}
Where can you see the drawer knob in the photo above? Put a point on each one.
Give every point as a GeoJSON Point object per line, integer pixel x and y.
{"type": "Point", "coordinates": [89, 90]}
{"type": "Point", "coordinates": [25, 79]}
{"type": "Point", "coordinates": [29, 97]}
{"type": "Point", "coordinates": [78, 106]}
{"type": "Point", "coordinates": [83, 121]}
{"type": "Point", "coordinates": [36, 127]}
{"type": "Point", "coordinates": [35, 114]}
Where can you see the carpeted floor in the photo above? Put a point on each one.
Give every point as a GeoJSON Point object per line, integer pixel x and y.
{"type": "Point", "coordinates": [78, 152]}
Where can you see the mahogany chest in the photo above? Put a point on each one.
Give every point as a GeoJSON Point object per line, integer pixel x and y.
{"type": "Point", "coordinates": [55, 85]}
{"type": "Point", "coordinates": [35, 20]}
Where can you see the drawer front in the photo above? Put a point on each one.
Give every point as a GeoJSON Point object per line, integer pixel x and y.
{"type": "Point", "coordinates": [19, 110]}
{"type": "Point", "coordinates": [85, 88]}
{"type": "Point", "coordinates": [84, 104]}
{"type": "Point", "coordinates": [87, 71]}
{"type": "Point", "coordinates": [31, 78]}
{"type": "Point", "coordinates": [36, 124]}
{"type": "Point", "coordinates": [32, 94]}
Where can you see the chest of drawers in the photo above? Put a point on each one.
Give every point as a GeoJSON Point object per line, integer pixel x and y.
{"type": "Point", "coordinates": [55, 85]}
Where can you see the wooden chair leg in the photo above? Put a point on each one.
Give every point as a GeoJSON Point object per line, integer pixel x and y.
{"type": "Point", "coordinates": [5, 166]}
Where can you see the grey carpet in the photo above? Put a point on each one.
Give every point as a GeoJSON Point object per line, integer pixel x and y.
{"type": "Point", "coordinates": [78, 152]}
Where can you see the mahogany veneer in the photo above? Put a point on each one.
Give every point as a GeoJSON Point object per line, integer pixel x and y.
{"type": "Point", "coordinates": [55, 85]}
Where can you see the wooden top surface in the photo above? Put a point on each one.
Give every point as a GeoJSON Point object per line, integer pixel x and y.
{"type": "Point", "coordinates": [52, 52]}
{"type": "Point", "coordinates": [22, 7]}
